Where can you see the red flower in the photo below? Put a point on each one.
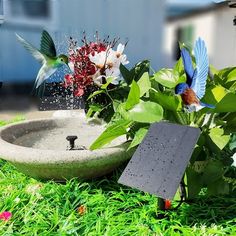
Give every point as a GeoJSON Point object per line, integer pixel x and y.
{"type": "Point", "coordinates": [5, 216]}
{"type": "Point", "coordinates": [79, 92]}
{"type": "Point", "coordinates": [84, 69]}
{"type": "Point", "coordinates": [167, 204]}
{"type": "Point", "coordinates": [82, 209]}
{"type": "Point", "coordinates": [68, 80]}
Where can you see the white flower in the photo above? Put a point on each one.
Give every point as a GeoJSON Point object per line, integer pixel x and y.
{"type": "Point", "coordinates": [99, 59]}
{"type": "Point", "coordinates": [109, 60]}
{"type": "Point", "coordinates": [120, 48]}
{"type": "Point", "coordinates": [119, 54]}
{"type": "Point", "coordinates": [97, 78]}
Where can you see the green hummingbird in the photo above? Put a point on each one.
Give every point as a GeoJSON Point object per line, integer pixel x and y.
{"type": "Point", "coordinates": [47, 56]}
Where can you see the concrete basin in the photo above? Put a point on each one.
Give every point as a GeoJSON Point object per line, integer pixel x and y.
{"type": "Point", "coordinates": [38, 148]}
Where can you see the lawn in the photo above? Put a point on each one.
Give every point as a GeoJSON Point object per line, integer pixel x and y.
{"type": "Point", "coordinates": [102, 207]}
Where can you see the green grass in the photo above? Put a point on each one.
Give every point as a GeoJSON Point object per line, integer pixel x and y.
{"type": "Point", "coordinates": [49, 208]}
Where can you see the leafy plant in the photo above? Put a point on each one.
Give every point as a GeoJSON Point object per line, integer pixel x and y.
{"type": "Point", "coordinates": [150, 98]}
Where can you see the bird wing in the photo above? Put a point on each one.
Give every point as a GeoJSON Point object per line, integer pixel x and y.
{"type": "Point", "coordinates": [188, 66]}
{"type": "Point", "coordinates": [47, 45]}
{"type": "Point", "coordinates": [44, 73]}
{"type": "Point", "coordinates": [34, 51]}
{"type": "Point", "coordinates": [201, 71]}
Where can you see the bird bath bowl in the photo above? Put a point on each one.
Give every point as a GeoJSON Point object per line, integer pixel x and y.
{"type": "Point", "coordinates": [39, 148]}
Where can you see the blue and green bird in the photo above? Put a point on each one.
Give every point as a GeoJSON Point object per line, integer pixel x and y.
{"type": "Point", "coordinates": [47, 56]}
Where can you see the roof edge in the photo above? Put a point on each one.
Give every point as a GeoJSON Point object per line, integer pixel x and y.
{"type": "Point", "coordinates": [199, 11]}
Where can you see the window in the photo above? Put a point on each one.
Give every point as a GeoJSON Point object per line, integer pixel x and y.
{"type": "Point", "coordinates": [184, 35]}
{"type": "Point", "coordinates": [1, 12]}
{"type": "Point", "coordinates": [29, 8]}
{"type": "Point", "coordinates": [32, 12]}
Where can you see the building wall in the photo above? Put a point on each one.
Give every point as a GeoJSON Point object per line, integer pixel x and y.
{"type": "Point", "coordinates": [217, 30]}
{"type": "Point", "coordinates": [139, 21]}
{"type": "Point", "coordinates": [224, 54]}
{"type": "Point", "coordinates": [17, 65]}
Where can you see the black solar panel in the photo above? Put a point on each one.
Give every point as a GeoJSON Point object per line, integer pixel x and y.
{"type": "Point", "coordinates": [159, 162]}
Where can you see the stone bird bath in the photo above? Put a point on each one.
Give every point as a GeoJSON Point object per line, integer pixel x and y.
{"type": "Point", "coordinates": [39, 148]}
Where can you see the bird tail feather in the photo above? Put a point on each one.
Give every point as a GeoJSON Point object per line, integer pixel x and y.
{"type": "Point", "coordinates": [207, 105]}
{"type": "Point", "coordinates": [38, 91]}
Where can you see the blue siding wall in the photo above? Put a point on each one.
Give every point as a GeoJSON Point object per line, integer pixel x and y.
{"type": "Point", "coordinates": [139, 21]}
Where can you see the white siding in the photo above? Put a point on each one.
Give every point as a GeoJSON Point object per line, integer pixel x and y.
{"type": "Point", "coordinates": [224, 53]}
{"type": "Point", "coordinates": [216, 28]}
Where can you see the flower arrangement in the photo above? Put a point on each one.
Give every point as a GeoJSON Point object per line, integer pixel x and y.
{"type": "Point", "coordinates": [93, 63]}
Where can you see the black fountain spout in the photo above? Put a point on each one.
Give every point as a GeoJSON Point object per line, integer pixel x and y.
{"type": "Point", "coordinates": [71, 139]}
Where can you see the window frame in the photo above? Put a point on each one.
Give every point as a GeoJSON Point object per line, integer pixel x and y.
{"type": "Point", "coordinates": [1, 12]}
{"type": "Point", "coordinates": [50, 21]}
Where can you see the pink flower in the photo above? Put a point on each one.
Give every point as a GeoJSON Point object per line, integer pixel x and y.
{"type": "Point", "coordinates": [5, 216]}
{"type": "Point", "coordinates": [79, 92]}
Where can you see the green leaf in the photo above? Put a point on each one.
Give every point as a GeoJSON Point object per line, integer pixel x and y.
{"type": "Point", "coordinates": [212, 178]}
{"type": "Point", "coordinates": [93, 108]}
{"type": "Point", "coordinates": [122, 111]}
{"type": "Point", "coordinates": [218, 137]}
{"type": "Point", "coordinates": [116, 104]}
{"type": "Point", "coordinates": [113, 131]}
{"type": "Point", "coordinates": [231, 76]}
{"type": "Point", "coordinates": [227, 103]}
{"type": "Point", "coordinates": [139, 69]}
{"type": "Point", "coordinates": [138, 138]}
{"type": "Point", "coordinates": [179, 67]}
{"type": "Point", "coordinates": [219, 187]}
{"type": "Point", "coordinates": [167, 101]}
{"type": "Point", "coordinates": [146, 112]}
{"type": "Point", "coordinates": [144, 84]}
{"type": "Point", "coordinates": [215, 94]}
{"type": "Point", "coordinates": [126, 74]}
{"type": "Point", "coordinates": [168, 78]}
{"type": "Point", "coordinates": [194, 183]}
{"type": "Point", "coordinates": [95, 93]}
{"type": "Point", "coordinates": [212, 172]}
{"type": "Point", "coordinates": [213, 70]}
{"type": "Point", "coordinates": [136, 72]}
{"type": "Point", "coordinates": [223, 73]}
{"type": "Point", "coordinates": [133, 97]}
{"type": "Point", "coordinates": [109, 80]}
{"type": "Point", "coordinates": [230, 125]}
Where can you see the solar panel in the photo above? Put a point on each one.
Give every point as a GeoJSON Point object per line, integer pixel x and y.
{"type": "Point", "coordinates": [159, 162]}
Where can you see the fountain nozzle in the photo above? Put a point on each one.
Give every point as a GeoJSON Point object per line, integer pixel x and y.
{"type": "Point", "coordinates": [71, 139]}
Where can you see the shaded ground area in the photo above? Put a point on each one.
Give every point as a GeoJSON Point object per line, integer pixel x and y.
{"type": "Point", "coordinates": [16, 99]}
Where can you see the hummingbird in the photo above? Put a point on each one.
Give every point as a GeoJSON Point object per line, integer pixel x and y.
{"type": "Point", "coordinates": [195, 87]}
{"type": "Point", "coordinates": [47, 56]}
